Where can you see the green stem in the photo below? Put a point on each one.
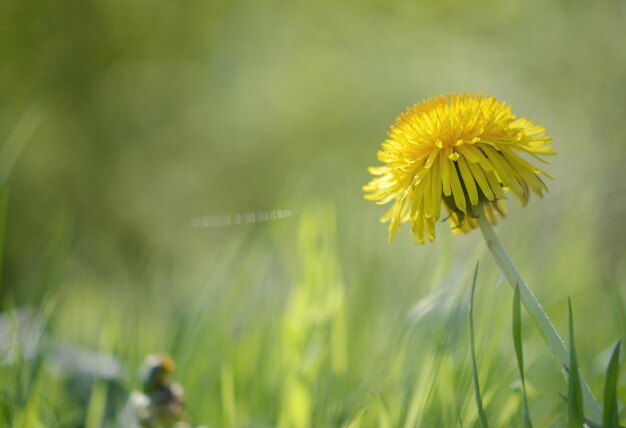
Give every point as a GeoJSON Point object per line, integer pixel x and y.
{"type": "Point", "coordinates": [548, 332]}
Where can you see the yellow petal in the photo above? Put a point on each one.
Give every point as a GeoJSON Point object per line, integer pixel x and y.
{"type": "Point", "coordinates": [495, 185]}
{"type": "Point", "coordinates": [480, 178]}
{"type": "Point", "coordinates": [445, 175]}
{"type": "Point", "coordinates": [507, 176]}
{"type": "Point", "coordinates": [468, 179]}
{"type": "Point", "coordinates": [436, 186]}
{"type": "Point", "coordinates": [457, 189]}
{"type": "Point", "coordinates": [428, 200]}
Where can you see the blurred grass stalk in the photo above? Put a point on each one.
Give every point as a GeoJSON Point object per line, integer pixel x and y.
{"type": "Point", "coordinates": [536, 312]}
{"type": "Point", "coordinates": [11, 150]}
{"type": "Point", "coordinates": [315, 314]}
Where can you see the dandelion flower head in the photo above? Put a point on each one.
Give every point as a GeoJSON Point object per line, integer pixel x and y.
{"type": "Point", "coordinates": [459, 151]}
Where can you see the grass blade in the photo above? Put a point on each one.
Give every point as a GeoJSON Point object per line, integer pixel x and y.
{"type": "Point", "coordinates": [611, 418]}
{"type": "Point", "coordinates": [479, 402]}
{"type": "Point", "coordinates": [96, 407]}
{"type": "Point", "coordinates": [576, 417]}
{"type": "Point", "coordinates": [4, 203]}
{"type": "Point", "coordinates": [16, 142]}
{"type": "Point", "coordinates": [517, 342]}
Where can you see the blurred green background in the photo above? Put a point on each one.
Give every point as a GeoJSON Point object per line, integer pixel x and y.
{"type": "Point", "coordinates": [137, 117]}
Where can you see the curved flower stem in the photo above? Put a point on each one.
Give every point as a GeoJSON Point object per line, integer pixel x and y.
{"type": "Point", "coordinates": [548, 332]}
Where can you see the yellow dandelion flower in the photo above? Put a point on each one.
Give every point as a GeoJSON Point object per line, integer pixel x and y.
{"type": "Point", "coordinates": [459, 150]}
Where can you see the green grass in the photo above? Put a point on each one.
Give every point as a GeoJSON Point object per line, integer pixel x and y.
{"type": "Point", "coordinates": [575, 406]}
{"type": "Point", "coordinates": [319, 352]}
{"type": "Point", "coordinates": [519, 354]}
{"type": "Point", "coordinates": [148, 115]}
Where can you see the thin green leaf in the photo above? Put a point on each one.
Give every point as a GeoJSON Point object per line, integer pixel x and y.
{"type": "Point", "coordinates": [10, 151]}
{"type": "Point", "coordinates": [611, 418]}
{"type": "Point", "coordinates": [576, 417]}
{"type": "Point", "coordinates": [479, 402]}
{"type": "Point", "coordinates": [517, 342]}
{"type": "Point", "coordinates": [16, 141]}
{"type": "Point", "coordinates": [96, 407]}
{"type": "Point", "coordinates": [4, 202]}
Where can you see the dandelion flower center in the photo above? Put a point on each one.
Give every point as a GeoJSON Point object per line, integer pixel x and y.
{"type": "Point", "coordinates": [457, 151]}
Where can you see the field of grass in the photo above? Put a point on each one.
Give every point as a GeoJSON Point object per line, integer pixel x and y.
{"type": "Point", "coordinates": [136, 137]}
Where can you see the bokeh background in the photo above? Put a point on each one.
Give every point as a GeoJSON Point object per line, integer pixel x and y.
{"type": "Point", "coordinates": [123, 121]}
